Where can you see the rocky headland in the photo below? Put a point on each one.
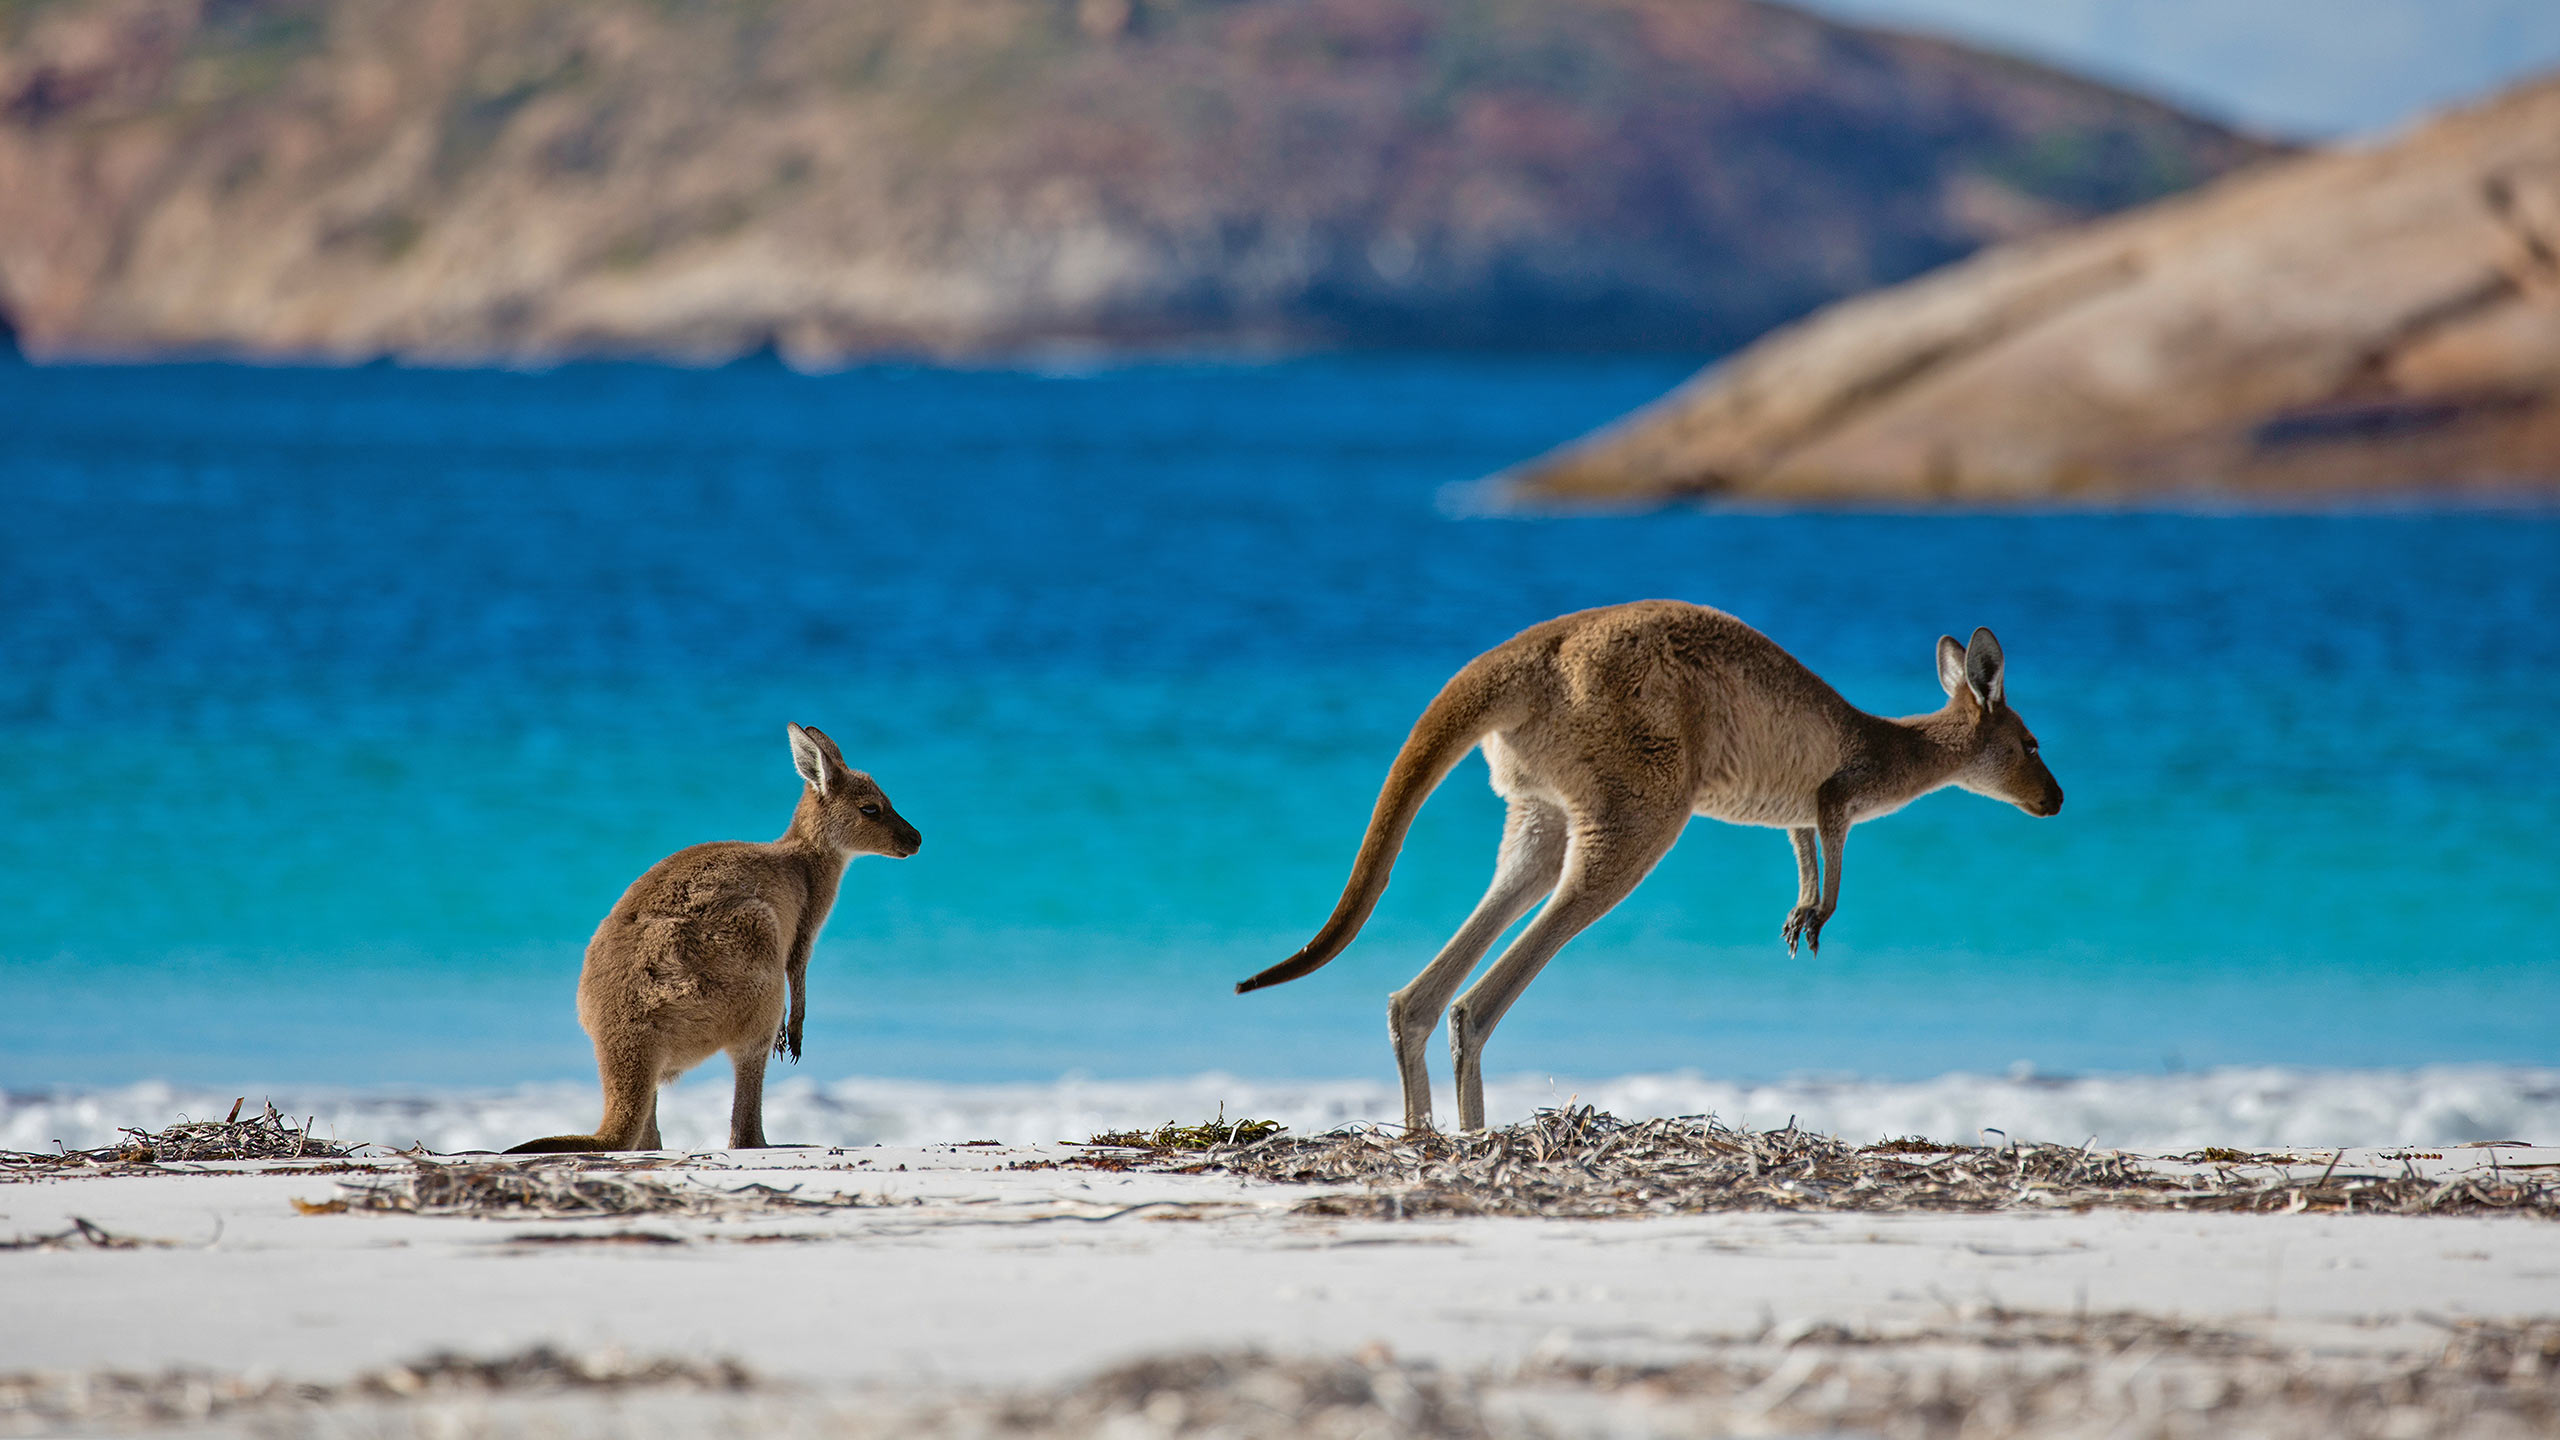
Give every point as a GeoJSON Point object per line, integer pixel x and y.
{"type": "Point", "coordinates": [527, 180]}
{"type": "Point", "coordinates": [2379, 318]}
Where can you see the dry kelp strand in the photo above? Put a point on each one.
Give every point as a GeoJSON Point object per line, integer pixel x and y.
{"type": "Point", "coordinates": [563, 1190]}
{"type": "Point", "coordinates": [1576, 1161]}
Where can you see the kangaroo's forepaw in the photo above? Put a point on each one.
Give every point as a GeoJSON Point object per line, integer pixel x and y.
{"type": "Point", "coordinates": [787, 1045]}
{"type": "Point", "coordinates": [1804, 923]}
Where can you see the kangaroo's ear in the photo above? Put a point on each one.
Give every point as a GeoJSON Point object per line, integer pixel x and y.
{"type": "Point", "coordinates": [1984, 668]}
{"type": "Point", "coordinates": [827, 743]}
{"type": "Point", "coordinates": [1950, 664]}
{"type": "Point", "coordinates": [807, 757]}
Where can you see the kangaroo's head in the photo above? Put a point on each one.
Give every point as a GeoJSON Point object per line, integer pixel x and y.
{"type": "Point", "coordinates": [844, 808]}
{"type": "Point", "coordinates": [2005, 765]}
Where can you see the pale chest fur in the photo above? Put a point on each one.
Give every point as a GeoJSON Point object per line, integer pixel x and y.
{"type": "Point", "coordinates": [1762, 760]}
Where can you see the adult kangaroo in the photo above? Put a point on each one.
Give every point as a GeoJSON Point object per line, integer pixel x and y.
{"type": "Point", "coordinates": [697, 955]}
{"type": "Point", "coordinates": [1605, 731]}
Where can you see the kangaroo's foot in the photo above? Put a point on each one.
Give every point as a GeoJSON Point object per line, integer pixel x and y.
{"type": "Point", "coordinates": [1804, 923]}
{"type": "Point", "coordinates": [1412, 1072]}
{"type": "Point", "coordinates": [1466, 1049]}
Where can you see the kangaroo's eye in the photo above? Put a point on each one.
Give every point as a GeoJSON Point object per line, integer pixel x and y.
{"type": "Point", "coordinates": [871, 810]}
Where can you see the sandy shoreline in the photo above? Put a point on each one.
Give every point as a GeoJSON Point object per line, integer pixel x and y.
{"type": "Point", "coordinates": [959, 1277]}
{"type": "Point", "coordinates": [2253, 1106]}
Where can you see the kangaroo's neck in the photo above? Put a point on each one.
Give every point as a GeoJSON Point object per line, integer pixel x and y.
{"type": "Point", "coordinates": [826, 874]}
{"type": "Point", "coordinates": [821, 869]}
{"type": "Point", "coordinates": [808, 842]}
{"type": "Point", "coordinates": [1907, 757]}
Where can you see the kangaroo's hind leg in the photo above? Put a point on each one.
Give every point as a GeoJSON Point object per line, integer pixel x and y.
{"type": "Point", "coordinates": [1606, 858]}
{"type": "Point", "coordinates": [746, 1105]}
{"type": "Point", "coordinates": [650, 1139]}
{"type": "Point", "coordinates": [1532, 856]}
{"type": "Point", "coordinates": [755, 991]}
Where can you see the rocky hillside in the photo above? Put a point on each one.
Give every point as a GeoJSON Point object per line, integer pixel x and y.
{"type": "Point", "coordinates": [2383, 318]}
{"type": "Point", "coordinates": [523, 179]}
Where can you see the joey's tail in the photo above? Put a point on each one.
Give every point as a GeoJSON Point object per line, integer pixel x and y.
{"type": "Point", "coordinates": [630, 1074]}
{"type": "Point", "coordinates": [1459, 716]}
{"type": "Point", "coordinates": [562, 1145]}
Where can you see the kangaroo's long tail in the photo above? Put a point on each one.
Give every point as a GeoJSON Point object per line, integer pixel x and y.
{"type": "Point", "coordinates": [1458, 717]}
{"type": "Point", "coordinates": [563, 1145]}
{"type": "Point", "coordinates": [630, 1074]}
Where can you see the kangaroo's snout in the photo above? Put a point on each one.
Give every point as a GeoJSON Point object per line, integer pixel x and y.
{"type": "Point", "coordinates": [910, 840]}
{"type": "Point", "coordinates": [2047, 794]}
{"type": "Point", "coordinates": [2035, 791]}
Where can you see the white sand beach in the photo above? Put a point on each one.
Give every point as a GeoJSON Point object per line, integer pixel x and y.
{"type": "Point", "coordinates": [978, 1282]}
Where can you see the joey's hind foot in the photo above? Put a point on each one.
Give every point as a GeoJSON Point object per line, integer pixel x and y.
{"type": "Point", "coordinates": [1804, 923]}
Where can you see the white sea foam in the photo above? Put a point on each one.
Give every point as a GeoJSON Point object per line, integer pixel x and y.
{"type": "Point", "coordinates": [2249, 1108]}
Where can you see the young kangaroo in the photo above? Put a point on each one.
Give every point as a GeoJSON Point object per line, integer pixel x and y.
{"type": "Point", "coordinates": [695, 957]}
{"type": "Point", "coordinates": [1605, 731]}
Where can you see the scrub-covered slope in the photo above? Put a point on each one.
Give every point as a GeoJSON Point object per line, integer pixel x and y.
{"type": "Point", "coordinates": [502, 179]}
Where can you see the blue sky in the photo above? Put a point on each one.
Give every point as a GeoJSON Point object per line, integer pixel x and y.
{"type": "Point", "coordinates": [2302, 69]}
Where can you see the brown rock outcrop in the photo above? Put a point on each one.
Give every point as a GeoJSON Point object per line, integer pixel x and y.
{"type": "Point", "coordinates": [2375, 318]}
{"type": "Point", "coordinates": [527, 179]}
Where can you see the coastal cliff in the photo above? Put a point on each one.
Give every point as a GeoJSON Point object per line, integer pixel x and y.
{"type": "Point", "coordinates": [2377, 318]}
{"type": "Point", "coordinates": [527, 180]}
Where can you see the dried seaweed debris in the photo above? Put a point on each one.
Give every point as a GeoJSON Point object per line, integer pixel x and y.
{"type": "Point", "coordinates": [56, 1398]}
{"type": "Point", "coordinates": [554, 1190]}
{"type": "Point", "coordinates": [1574, 1161]}
{"type": "Point", "coordinates": [1993, 1375]}
{"type": "Point", "coordinates": [264, 1136]}
{"type": "Point", "coordinates": [1209, 1135]}
{"type": "Point", "coordinates": [1984, 1374]}
{"type": "Point", "coordinates": [83, 1234]}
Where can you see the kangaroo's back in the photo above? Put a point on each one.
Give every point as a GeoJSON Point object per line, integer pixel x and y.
{"type": "Point", "coordinates": [1621, 650]}
{"type": "Point", "coordinates": [1765, 732]}
{"type": "Point", "coordinates": [1686, 701]}
{"type": "Point", "coordinates": [684, 935]}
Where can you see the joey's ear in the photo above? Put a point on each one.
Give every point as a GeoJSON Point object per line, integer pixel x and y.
{"type": "Point", "coordinates": [826, 743]}
{"type": "Point", "coordinates": [1950, 664]}
{"type": "Point", "coordinates": [1983, 668]}
{"type": "Point", "coordinates": [807, 758]}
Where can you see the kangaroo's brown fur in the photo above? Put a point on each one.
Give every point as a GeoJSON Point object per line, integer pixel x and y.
{"type": "Point", "coordinates": [697, 956]}
{"type": "Point", "coordinates": [1605, 731]}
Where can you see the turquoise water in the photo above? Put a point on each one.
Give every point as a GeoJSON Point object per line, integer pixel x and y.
{"type": "Point", "coordinates": [335, 707]}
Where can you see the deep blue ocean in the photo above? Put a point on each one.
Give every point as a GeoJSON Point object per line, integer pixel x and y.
{"type": "Point", "coordinates": [336, 706]}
